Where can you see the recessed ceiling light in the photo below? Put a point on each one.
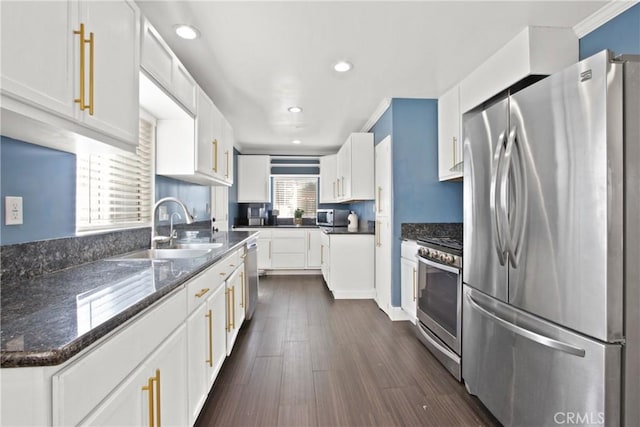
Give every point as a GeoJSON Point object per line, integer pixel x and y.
{"type": "Point", "coordinates": [295, 109]}
{"type": "Point", "coordinates": [296, 141]}
{"type": "Point", "coordinates": [342, 66]}
{"type": "Point", "coordinates": [187, 31]}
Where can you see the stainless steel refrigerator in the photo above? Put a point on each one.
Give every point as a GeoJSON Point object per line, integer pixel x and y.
{"type": "Point", "coordinates": [551, 321]}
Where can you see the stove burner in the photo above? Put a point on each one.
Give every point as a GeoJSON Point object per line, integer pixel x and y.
{"type": "Point", "coordinates": [444, 242]}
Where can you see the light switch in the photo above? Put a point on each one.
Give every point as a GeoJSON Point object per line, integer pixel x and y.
{"type": "Point", "coordinates": [12, 210]}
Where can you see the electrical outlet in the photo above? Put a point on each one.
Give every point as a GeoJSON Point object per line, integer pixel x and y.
{"type": "Point", "coordinates": [163, 214]}
{"type": "Point", "coordinates": [12, 210]}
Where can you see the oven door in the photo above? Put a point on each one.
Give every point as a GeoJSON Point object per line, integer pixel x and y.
{"type": "Point", "coordinates": [439, 301]}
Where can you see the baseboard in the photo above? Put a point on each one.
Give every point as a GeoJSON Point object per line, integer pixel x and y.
{"type": "Point", "coordinates": [398, 314]}
{"type": "Point", "coordinates": [354, 294]}
{"type": "Point", "coordinates": [291, 272]}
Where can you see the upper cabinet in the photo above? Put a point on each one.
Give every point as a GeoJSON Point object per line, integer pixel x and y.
{"type": "Point", "coordinates": [254, 183]}
{"type": "Point", "coordinates": [449, 140]}
{"type": "Point", "coordinates": [165, 68]}
{"type": "Point", "coordinates": [355, 164]}
{"type": "Point", "coordinates": [73, 70]}
{"type": "Point", "coordinates": [328, 178]}
{"type": "Point", "coordinates": [228, 141]}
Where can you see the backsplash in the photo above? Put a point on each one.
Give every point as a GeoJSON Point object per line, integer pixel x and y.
{"type": "Point", "coordinates": [32, 259]}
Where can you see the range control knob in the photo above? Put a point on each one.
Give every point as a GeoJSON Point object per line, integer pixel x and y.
{"type": "Point", "coordinates": [447, 259]}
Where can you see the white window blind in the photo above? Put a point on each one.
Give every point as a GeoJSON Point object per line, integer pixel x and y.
{"type": "Point", "coordinates": [293, 192]}
{"type": "Point", "coordinates": [115, 190]}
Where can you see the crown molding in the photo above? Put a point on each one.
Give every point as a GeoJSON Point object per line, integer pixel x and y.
{"type": "Point", "coordinates": [601, 16]}
{"type": "Point", "coordinates": [377, 113]}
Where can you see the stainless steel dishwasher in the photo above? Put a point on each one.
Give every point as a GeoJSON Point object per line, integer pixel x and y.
{"type": "Point", "coordinates": [251, 273]}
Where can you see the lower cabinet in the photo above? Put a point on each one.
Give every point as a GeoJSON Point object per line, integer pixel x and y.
{"type": "Point", "coordinates": [234, 306]}
{"type": "Point", "coordinates": [409, 278]}
{"type": "Point", "coordinates": [325, 264]}
{"type": "Point", "coordinates": [264, 250]}
{"type": "Point", "coordinates": [154, 394]}
{"type": "Point", "coordinates": [288, 248]}
{"type": "Point", "coordinates": [350, 269]}
{"type": "Point", "coordinates": [314, 255]}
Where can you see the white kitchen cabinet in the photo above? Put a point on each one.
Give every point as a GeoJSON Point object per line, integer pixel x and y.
{"type": "Point", "coordinates": [449, 136]}
{"type": "Point", "coordinates": [355, 168]}
{"type": "Point", "coordinates": [165, 68]}
{"type": "Point", "coordinates": [383, 253]}
{"type": "Point", "coordinates": [325, 260]}
{"type": "Point", "coordinates": [328, 178]}
{"type": "Point", "coordinates": [235, 315]}
{"type": "Point", "coordinates": [208, 122]}
{"type": "Point", "coordinates": [220, 207]}
{"type": "Point", "coordinates": [314, 249]}
{"type": "Point", "coordinates": [351, 267]}
{"type": "Point", "coordinates": [228, 142]}
{"type": "Point", "coordinates": [408, 278]}
{"type": "Point", "coordinates": [45, 69]}
{"type": "Point", "coordinates": [383, 179]}
{"type": "Point", "coordinates": [288, 249]}
{"type": "Point", "coordinates": [157, 389]}
{"type": "Point", "coordinates": [254, 183]}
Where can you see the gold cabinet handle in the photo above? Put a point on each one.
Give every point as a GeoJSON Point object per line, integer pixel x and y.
{"type": "Point", "coordinates": [454, 141]}
{"type": "Point", "coordinates": [201, 292]}
{"type": "Point", "coordinates": [209, 316]}
{"type": "Point", "coordinates": [226, 153]}
{"type": "Point", "coordinates": [233, 307]}
{"type": "Point", "coordinates": [242, 289]}
{"type": "Point", "coordinates": [232, 265]}
{"type": "Point", "coordinates": [334, 189]}
{"type": "Point", "coordinates": [342, 186]}
{"type": "Point", "coordinates": [308, 240]}
{"type": "Point", "coordinates": [269, 249]}
{"type": "Point", "coordinates": [222, 273]}
{"type": "Point", "coordinates": [379, 199]}
{"type": "Point", "coordinates": [81, 97]}
{"type": "Point", "coordinates": [226, 294]}
{"type": "Point", "coordinates": [321, 254]}
{"type": "Point", "coordinates": [215, 155]}
{"type": "Point", "coordinates": [414, 285]}
{"type": "Point", "coordinates": [158, 408]}
{"type": "Point", "coordinates": [149, 388]}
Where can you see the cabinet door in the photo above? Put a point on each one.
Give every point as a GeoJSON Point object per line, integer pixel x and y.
{"type": "Point", "coordinates": [408, 278]}
{"type": "Point", "coordinates": [383, 263]}
{"type": "Point", "coordinates": [217, 305]}
{"type": "Point", "coordinates": [325, 264]}
{"type": "Point", "coordinates": [220, 207]}
{"type": "Point", "coordinates": [449, 141]}
{"type": "Point", "coordinates": [253, 179]}
{"type": "Point", "coordinates": [264, 253]}
{"type": "Point", "coordinates": [328, 182]}
{"type": "Point", "coordinates": [204, 135]}
{"type": "Point", "coordinates": [184, 86]}
{"type": "Point", "coordinates": [232, 294]}
{"type": "Point", "coordinates": [241, 297]}
{"type": "Point", "coordinates": [198, 352]}
{"type": "Point", "coordinates": [383, 180]}
{"type": "Point", "coordinates": [344, 171]}
{"type": "Point", "coordinates": [314, 249]}
{"type": "Point", "coordinates": [38, 51]}
{"type": "Point", "coordinates": [228, 141]}
{"type": "Point", "coordinates": [156, 57]}
{"type": "Point", "coordinates": [116, 28]}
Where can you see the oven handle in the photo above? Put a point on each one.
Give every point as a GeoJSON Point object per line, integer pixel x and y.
{"type": "Point", "coordinates": [434, 264]}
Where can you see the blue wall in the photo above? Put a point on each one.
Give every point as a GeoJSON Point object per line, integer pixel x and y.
{"type": "Point", "coordinates": [46, 181]}
{"type": "Point", "coordinates": [621, 35]}
{"type": "Point", "coordinates": [233, 191]}
{"type": "Point", "coordinates": [196, 197]}
{"type": "Point", "coordinates": [418, 195]}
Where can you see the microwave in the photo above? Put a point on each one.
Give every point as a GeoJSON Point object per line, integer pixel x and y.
{"type": "Point", "coordinates": [332, 217]}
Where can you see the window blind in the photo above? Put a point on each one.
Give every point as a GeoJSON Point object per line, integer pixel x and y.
{"type": "Point", "coordinates": [115, 190]}
{"type": "Point", "coordinates": [293, 192]}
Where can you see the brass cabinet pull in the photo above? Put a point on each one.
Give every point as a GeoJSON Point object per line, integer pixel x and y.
{"type": "Point", "coordinates": [232, 265]}
{"type": "Point", "coordinates": [158, 408]}
{"type": "Point", "coordinates": [210, 360]}
{"type": "Point", "coordinates": [269, 249]}
{"type": "Point", "coordinates": [321, 254]}
{"type": "Point", "coordinates": [223, 273]}
{"type": "Point", "coordinates": [226, 153]}
{"type": "Point", "coordinates": [233, 307]}
{"type": "Point", "coordinates": [454, 140]}
{"type": "Point", "coordinates": [226, 294]}
{"type": "Point", "coordinates": [83, 41]}
{"type": "Point", "coordinates": [414, 285]}
{"type": "Point", "coordinates": [334, 189]}
{"type": "Point", "coordinates": [215, 155]}
{"type": "Point", "coordinates": [379, 199]}
{"type": "Point", "coordinates": [242, 289]}
{"type": "Point", "coordinates": [343, 186]}
{"type": "Point", "coordinates": [201, 292]}
{"type": "Point", "coordinates": [149, 388]}
{"type": "Point", "coordinates": [308, 240]}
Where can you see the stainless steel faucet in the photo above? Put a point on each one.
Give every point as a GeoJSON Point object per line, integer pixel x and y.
{"type": "Point", "coordinates": [155, 238]}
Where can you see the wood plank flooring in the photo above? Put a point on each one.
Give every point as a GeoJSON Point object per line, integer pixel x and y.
{"type": "Point", "coordinates": [306, 359]}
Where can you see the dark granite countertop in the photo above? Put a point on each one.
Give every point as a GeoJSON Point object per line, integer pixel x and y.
{"type": "Point", "coordinates": [344, 230]}
{"type": "Point", "coordinates": [417, 231]}
{"type": "Point", "coordinates": [45, 320]}
{"type": "Point", "coordinates": [240, 227]}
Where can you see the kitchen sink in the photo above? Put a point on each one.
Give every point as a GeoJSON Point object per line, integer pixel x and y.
{"type": "Point", "coordinates": [179, 253]}
{"type": "Point", "coordinates": [198, 245]}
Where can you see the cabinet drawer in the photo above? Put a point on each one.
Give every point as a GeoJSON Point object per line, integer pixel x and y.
{"type": "Point", "coordinates": [288, 234]}
{"type": "Point", "coordinates": [287, 261]}
{"type": "Point", "coordinates": [202, 286]}
{"type": "Point", "coordinates": [80, 386]}
{"type": "Point", "coordinates": [409, 249]}
{"type": "Point", "coordinates": [289, 246]}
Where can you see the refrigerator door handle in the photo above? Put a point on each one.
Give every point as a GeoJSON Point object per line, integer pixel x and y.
{"type": "Point", "coordinates": [496, 223]}
{"type": "Point", "coordinates": [540, 339]}
{"type": "Point", "coordinates": [503, 212]}
{"type": "Point", "coordinates": [521, 198]}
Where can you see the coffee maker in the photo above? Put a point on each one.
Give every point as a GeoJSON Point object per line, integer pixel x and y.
{"type": "Point", "coordinates": [256, 215]}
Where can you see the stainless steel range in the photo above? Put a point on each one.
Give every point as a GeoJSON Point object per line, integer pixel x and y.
{"type": "Point", "coordinates": [439, 307]}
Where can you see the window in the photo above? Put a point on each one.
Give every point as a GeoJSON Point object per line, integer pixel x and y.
{"type": "Point", "coordinates": [293, 192]}
{"type": "Point", "coordinates": [115, 190]}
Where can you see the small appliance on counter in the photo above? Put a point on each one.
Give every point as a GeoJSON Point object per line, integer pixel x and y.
{"type": "Point", "coordinates": [332, 217]}
{"type": "Point", "coordinates": [272, 217]}
{"type": "Point", "coordinates": [256, 215]}
{"type": "Point", "coordinates": [353, 222]}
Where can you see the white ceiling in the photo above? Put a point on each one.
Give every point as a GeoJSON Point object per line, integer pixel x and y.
{"type": "Point", "coordinates": [255, 59]}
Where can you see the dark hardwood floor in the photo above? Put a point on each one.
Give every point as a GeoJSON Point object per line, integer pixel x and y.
{"type": "Point", "coordinates": [306, 359]}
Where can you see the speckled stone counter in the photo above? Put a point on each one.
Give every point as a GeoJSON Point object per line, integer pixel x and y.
{"type": "Point", "coordinates": [45, 320]}
{"type": "Point", "coordinates": [240, 227]}
{"type": "Point", "coordinates": [345, 230]}
{"type": "Point", "coordinates": [416, 231]}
